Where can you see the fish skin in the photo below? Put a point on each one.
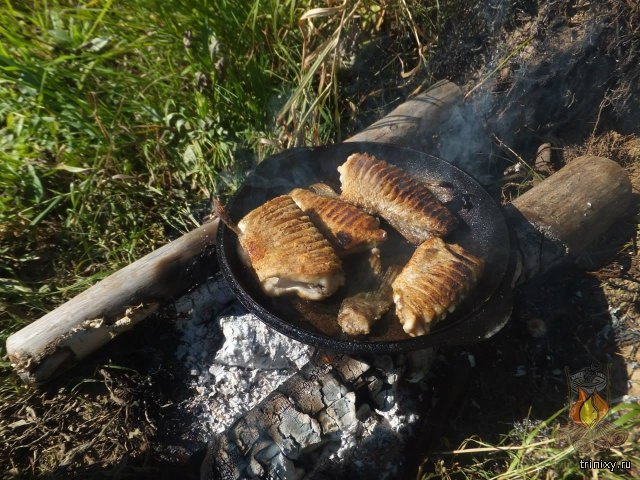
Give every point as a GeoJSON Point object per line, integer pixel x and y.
{"type": "Point", "coordinates": [322, 188]}
{"type": "Point", "coordinates": [281, 243]}
{"type": "Point", "coordinates": [349, 229]}
{"type": "Point", "coordinates": [433, 283]}
{"type": "Point", "coordinates": [386, 190]}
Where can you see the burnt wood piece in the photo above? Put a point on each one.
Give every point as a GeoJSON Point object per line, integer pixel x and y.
{"type": "Point", "coordinates": [55, 342]}
{"type": "Point", "coordinates": [294, 431]}
{"type": "Point", "coordinates": [552, 223]}
{"type": "Point", "coordinates": [50, 345]}
{"type": "Point", "coordinates": [305, 411]}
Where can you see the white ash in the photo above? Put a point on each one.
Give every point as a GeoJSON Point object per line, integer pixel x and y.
{"type": "Point", "coordinates": [375, 442]}
{"type": "Point", "coordinates": [234, 359]}
{"type": "Point", "coordinates": [384, 427]}
{"type": "Point", "coordinates": [250, 343]}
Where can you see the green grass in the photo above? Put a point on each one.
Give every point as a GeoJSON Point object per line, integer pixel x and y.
{"type": "Point", "coordinates": [537, 455]}
{"type": "Point", "coordinates": [118, 120]}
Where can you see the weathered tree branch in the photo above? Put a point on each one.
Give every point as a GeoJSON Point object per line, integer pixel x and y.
{"type": "Point", "coordinates": [50, 345]}
{"type": "Point", "coordinates": [415, 122]}
{"type": "Point", "coordinates": [558, 219]}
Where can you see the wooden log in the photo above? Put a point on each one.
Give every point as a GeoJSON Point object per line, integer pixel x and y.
{"type": "Point", "coordinates": [56, 341]}
{"type": "Point", "coordinates": [415, 122]}
{"type": "Point", "coordinates": [80, 326]}
{"type": "Point", "coordinates": [563, 215]}
{"type": "Point", "coordinates": [552, 223]}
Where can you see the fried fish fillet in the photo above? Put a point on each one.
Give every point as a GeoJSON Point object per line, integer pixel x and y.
{"type": "Point", "coordinates": [348, 228]}
{"type": "Point", "coordinates": [433, 283]}
{"type": "Point", "coordinates": [359, 312]}
{"type": "Point", "coordinates": [287, 252]}
{"type": "Point", "coordinates": [386, 190]}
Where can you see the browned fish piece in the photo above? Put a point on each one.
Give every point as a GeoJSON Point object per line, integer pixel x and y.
{"type": "Point", "coordinates": [348, 228]}
{"type": "Point", "coordinates": [287, 251]}
{"type": "Point", "coordinates": [433, 283]}
{"type": "Point", "coordinates": [358, 313]}
{"type": "Point", "coordinates": [386, 190]}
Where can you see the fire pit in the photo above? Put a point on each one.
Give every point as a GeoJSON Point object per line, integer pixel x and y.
{"type": "Point", "coordinates": [335, 398]}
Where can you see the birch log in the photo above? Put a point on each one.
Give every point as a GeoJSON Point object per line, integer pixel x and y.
{"type": "Point", "coordinates": [553, 222]}
{"type": "Point", "coordinates": [58, 340]}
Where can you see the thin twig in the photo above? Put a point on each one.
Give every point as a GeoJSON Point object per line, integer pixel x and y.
{"type": "Point", "coordinates": [421, 58]}
{"type": "Point", "coordinates": [502, 144]}
{"type": "Point", "coordinates": [604, 103]}
{"type": "Point", "coordinates": [496, 449]}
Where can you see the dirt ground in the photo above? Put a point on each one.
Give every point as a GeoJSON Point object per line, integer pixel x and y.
{"type": "Point", "coordinates": [563, 72]}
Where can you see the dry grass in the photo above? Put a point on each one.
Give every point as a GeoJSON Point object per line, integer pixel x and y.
{"type": "Point", "coordinates": [539, 454]}
{"type": "Point", "coordinates": [333, 38]}
{"type": "Point", "coordinates": [624, 149]}
{"type": "Point", "coordinates": [98, 425]}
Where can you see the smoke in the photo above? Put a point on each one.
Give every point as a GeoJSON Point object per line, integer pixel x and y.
{"type": "Point", "coordinates": [464, 139]}
{"type": "Point", "coordinates": [546, 76]}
